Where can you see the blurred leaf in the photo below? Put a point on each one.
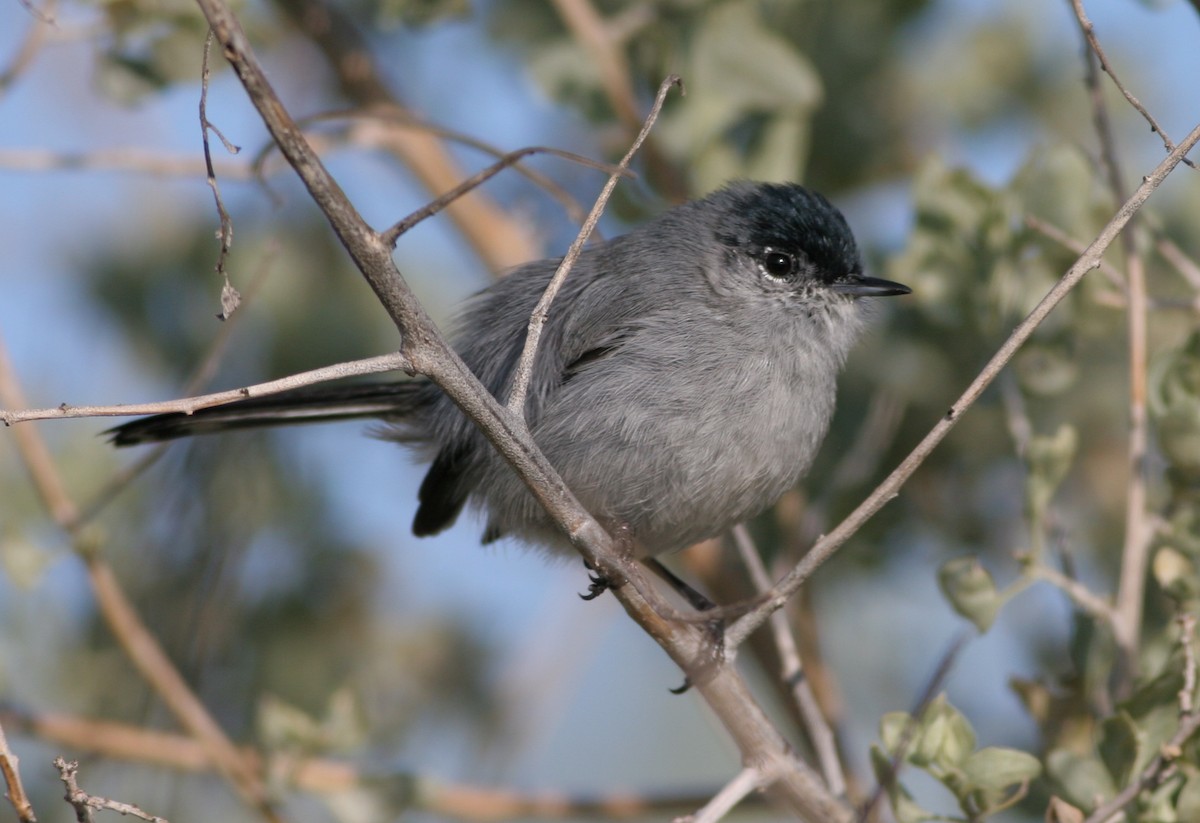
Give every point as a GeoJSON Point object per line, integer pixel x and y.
{"type": "Point", "coordinates": [1175, 574]}
{"type": "Point", "coordinates": [1084, 779]}
{"type": "Point", "coordinates": [1121, 743]}
{"type": "Point", "coordinates": [753, 68]}
{"type": "Point", "coordinates": [970, 589]}
{"type": "Point", "coordinates": [946, 739]}
{"type": "Point", "coordinates": [1060, 811]}
{"type": "Point", "coordinates": [1049, 459]}
{"type": "Point", "coordinates": [1174, 401]}
{"type": "Point", "coordinates": [24, 563]}
{"type": "Point", "coordinates": [991, 772]}
{"type": "Point", "coordinates": [894, 727]}
{"type": "Point", "coordinates": [1046, 368]}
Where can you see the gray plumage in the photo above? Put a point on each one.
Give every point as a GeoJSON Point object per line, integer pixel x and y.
{"type": "Point", "coordinates": [684, 380]}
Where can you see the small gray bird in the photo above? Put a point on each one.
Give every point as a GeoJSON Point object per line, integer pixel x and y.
{"type": "Point", "coordinates": [685, 378]}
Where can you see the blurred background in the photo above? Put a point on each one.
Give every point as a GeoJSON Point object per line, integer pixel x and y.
{"type": "Point", "coordinates": [278, 569]}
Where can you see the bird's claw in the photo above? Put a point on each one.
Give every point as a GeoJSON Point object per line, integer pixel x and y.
{"type": "Point", "coordinates": [597, 585]}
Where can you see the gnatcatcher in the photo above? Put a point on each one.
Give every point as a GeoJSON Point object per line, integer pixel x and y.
{"type": "Point", "coordinates": [685, 378]}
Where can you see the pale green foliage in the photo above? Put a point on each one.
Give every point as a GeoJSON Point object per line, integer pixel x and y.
{"type": "Point", "coordinates": [942, 743]}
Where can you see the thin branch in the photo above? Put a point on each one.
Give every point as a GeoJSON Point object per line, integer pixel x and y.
{"type": "Point", "coordinates": [230, 299]}
{"type": "Point", "coordinates": [1054, 233]}
{"type": "Point", "coordinates": [187, 405]}
{"type": "Point", "coordinates": [1187, 642]}
{"type": "Point", "coordinates": [747, 781]}
{"type": "Point", "coordinates": [1186, 266]}
{"type": "Point", "coordinates": [890, 487]}
{"type": "Point", "coordinates": [1088, 602]}
{"type": "Point", "coordinates": [15, 791]}
{"type": "Point", "coordinates": [524, 369]}
{"type": "Point", "coordinates": [31, 44]}
{"type": "Point", "coordinates": [84, 803]}
{"type": "Point", "coordinates": [1089, 32]}
{"type": "Point", "coordinates": [396, 117]}
{"type": "Point", "coordinates": [792, 671]}
{"type": "Point", "coordinates": [1136, 548]}
{"type": "Point", "coordinates": [508, 160]}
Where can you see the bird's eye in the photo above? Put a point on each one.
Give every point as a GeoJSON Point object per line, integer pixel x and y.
{"type": "Point", "coordinates": [777, 263]}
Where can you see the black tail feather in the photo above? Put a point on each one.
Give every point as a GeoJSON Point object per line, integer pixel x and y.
{"type": "Point", "coordinates": [316, 404]}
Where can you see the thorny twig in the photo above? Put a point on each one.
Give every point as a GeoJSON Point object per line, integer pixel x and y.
{"type": "Point", "coordinates": [85, 803]}
{"type": "Point", "coordinates": [229, 295]}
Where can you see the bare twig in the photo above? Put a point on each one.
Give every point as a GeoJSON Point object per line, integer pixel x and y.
{"type": "Point", "coordinates": [508, 160]}
{"type": "Point", "coordinates": [230, 299]}
{"type": "Point", "coordinates": [524, 369]}
{"type": "Point", "coordinates": [826, 546]}
{"type": "Point", "coordinates": [84, 803]}
{"type": "Point", "coordinates": [1135, 551]}
{"type": "Point", "coordinates": [187, 405]}
{"type": "Point", "coordinates": [1090, 603]}
{"type": "Point", "coordinates": [31, 44]}
{"type": "Point", "coordinates": [747, 781]}
{"type": "Point", "coordinates": [1052, 232]}
{"type": "Point", "coordinates": [394, 117]}
{"type": "Point", "coordinates": [1186, 266]}
{"type": "Point", "coordinates": [1089, 32]}
{"type": "Point", "coordinates": [15, 791]}
{"type": "Point", "coordinates": [1187, 642]}
{"type": "Point", "coordinates": [817, 729]}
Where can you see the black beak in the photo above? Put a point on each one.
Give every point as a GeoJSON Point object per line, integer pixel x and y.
{"type": "Point", "coordinates": [863, 286]}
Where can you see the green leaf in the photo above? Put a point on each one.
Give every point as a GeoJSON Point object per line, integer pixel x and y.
{"type": "Point", "coordinates": [970, 589]}
{"type": "Point", "coordinates": [1120, 744]}
{"type": "Point", "coordinates": [893, 727]}
{"type": "Point", "coordinates": [1083, 778]}
{"type": "Point", "coordinates": [946, 738]}
{"type": "Point", "coordinates": [993, 768]}
{"type": "Point", "coordinates": [1049, 460]}
{"type": "Point", "coordinates": [1175, 574]}
{"type": "Point", "coordinates": [739, 59]}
